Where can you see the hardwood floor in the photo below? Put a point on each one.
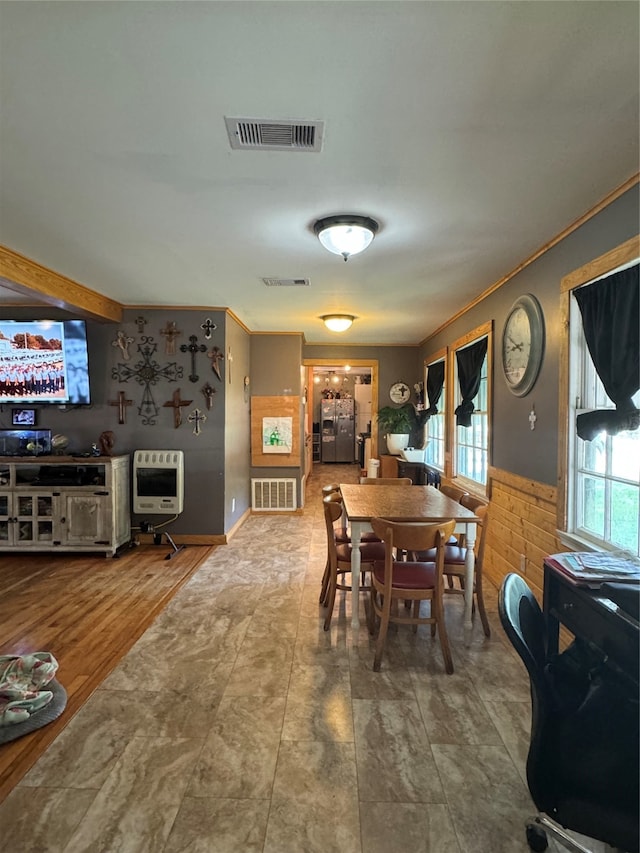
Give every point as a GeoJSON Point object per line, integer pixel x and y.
{"type": "Point", "coordinates": [88, 612]}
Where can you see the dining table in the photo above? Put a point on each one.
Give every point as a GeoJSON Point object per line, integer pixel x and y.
{"type": "Point", "coordinates": [363, 502]}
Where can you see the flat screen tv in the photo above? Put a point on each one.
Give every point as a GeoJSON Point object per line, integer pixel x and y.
{"type": "Point", "coordinates": [44, 361]}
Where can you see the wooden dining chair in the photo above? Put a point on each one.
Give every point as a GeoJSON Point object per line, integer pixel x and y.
{"type": "Point", "coordinates": [386, 481]}
{"type": "Point", "coordinates": [455, 557]}
{"type": "Point", "coordinates": [453, 492]}
{"type": "Point", "coordinates": [394, 580]}
{"type": "Point", "coordinates": [339, 558]}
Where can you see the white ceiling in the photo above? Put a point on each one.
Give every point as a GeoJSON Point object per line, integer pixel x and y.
{"type": "Point", "coordinates": [474, 132]}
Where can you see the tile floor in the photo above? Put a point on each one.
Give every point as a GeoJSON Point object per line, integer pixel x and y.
{"type": "Point", "coordinates": [237, 725]}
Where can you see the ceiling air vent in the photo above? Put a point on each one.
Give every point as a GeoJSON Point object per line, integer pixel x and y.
{"type": "Point", "coordinates": [286, 282]}
{"type": "Point", "coordinates": [274, 135]}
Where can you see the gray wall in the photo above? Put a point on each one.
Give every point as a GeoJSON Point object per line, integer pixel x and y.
{"type": "Point", "coordinates": [516, 448]}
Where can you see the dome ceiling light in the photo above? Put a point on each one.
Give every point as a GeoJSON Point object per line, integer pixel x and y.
{"type": "Point", "coordinates": [338, 322]}
{"type": "Point", "coordinates": [346, 234]}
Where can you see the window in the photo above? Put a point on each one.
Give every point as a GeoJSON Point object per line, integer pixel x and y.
{"type": "Point", "coordinates": [472, 442]}
{"type": "Point", "coordinates": [436, 399]}
{"type": "Point", "coordinates": [603, 488]}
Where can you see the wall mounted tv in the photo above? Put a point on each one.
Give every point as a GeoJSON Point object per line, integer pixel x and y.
{"type": "Point", "coordinates": [44, 361]}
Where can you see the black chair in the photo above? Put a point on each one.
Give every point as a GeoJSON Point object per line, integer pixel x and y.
{"type": "Point", "coordinates": [582, 765]}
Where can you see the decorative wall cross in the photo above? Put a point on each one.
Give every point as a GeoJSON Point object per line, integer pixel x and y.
{"type": "Point", "coordinates": [208, 391]}
{"type": "Point", "coordinates": [196, 417]}
{"type": "Point", "coordinates": [122, 404]}
{"type": "Point", "coordinates": [141, 323]}
{"type": "Point", "coordinates": [170, 333]}
{"type": "Point", "coordinates": [533, 418]}
{"type": "Point", "coordinates": [216, 355]}
{"type": "Point", "coordinates": [122, 341]}
{"type": "Point", "coordinates": [147, 372]}
{"type": "Point", "coordinates": [208, 327]}
{"type": "Point", "coordinates": [194, 347]}
{"type": "Point", "coordinates": [176, 404]}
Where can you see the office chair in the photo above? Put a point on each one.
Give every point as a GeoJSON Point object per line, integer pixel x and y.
{"type": "Point", "coordinates": [582, 765]}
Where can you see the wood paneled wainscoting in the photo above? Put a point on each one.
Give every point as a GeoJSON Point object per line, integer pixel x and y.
{"type": "Point", "coordinates": [523, 523]}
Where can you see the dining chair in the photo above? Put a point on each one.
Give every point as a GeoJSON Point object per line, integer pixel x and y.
{"type": "Point", "coordinates": [386, 481]}
{"type": "Point", "coordinates": [339, 557]}
{"type": "Point", "coordinates": [455, 557]}
{"type": "Point", "coordinates": [394, 580]}
{"type": "Point", "coordinates": [453, 492]}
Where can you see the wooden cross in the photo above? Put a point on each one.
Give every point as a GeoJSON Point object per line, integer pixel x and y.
{"type": "Point", "coordinates": [141, 323]}
{"type": "Point", "coordinates": [122, 342]}
{"type": "Point", "coordinates": [216, 355]}
{"type": "Point", "coordinates": [208, 327]}
{"type": "Point", "coordinates": [194, 347]}
{"type": "Point", "coordinates": [122, 404]}
{"type": "Point", "coordinates": [208, 391]}
{"type": "Point", "coordinates": [196, 417]}
{"type": "Point", "coordinates": [176, 404]}
{"type": "Point", "coordinates": [170, 333]}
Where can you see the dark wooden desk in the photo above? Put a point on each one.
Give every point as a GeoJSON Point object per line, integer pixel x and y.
{"type": "Point", "coordinates": [589, 615]}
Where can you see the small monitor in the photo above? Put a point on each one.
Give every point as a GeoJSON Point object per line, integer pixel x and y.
{"type": "Point", "coordinates": [158, 482]}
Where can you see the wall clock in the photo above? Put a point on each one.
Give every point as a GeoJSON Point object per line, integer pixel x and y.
{"type": "Point", "coordinates": [523, 345]}
{"type": "Point", "coordinates": [399, 392]}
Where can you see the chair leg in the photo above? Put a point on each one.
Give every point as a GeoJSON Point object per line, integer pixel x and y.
{"type": "Point", "coordinates": [382, 635]}
{"type": "Point", "coordinates": [325, 584]}
{"type": "Point", "coordinates": [442, 633]}
{"type": "Point", "coordinates": [331, 599]}
{"type": "Point", "coordinates": [416, 614]}
{"type": "Point", "coordinates": [481, 608]}
{"type": "Point", "coordinates": [371, 613]}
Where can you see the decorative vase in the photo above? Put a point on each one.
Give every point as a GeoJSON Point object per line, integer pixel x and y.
{"type": "Point", "coordinates": [396, 442]}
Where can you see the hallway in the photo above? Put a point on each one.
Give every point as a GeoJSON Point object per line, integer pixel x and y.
{"type": "Point", "coordinates": [237, 725]}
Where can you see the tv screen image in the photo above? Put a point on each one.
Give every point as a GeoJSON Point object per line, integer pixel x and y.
{"type": "Point", "coordinates": [44, 361]}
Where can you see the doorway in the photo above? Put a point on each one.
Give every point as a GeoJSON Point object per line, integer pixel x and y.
{"type": "Point", "coordinates": [343, 379]}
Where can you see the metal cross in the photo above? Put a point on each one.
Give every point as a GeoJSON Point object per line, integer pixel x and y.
{"type": "Point", "coordinates": [216, 355]}
{"type": "Point", "coordinates": [122, 341]}
{"type": "Point", "coordinates": [141, 323]}
{"type": "Point", "coordinates": [122, 404]}
{"type": "Point", "coordinates": [533, 418]}
{"type": "Point", "coordinates": [196, 417]}
{"type": "Point", "coordinates": [176, 404]}
{"type": "Point", "coordinates": [170, 333]}
{"type": "Point", "coordinates": [208, 327]}
{"type": "Point", "coordinates": [147, 372]}
{"type": "Point", "coordinates": [194, 347]}
{"type": "Point", "coordinates": [208, 391]}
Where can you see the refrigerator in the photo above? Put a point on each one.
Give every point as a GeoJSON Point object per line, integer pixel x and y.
{"type": "Point", "coordinates": [337, 430]}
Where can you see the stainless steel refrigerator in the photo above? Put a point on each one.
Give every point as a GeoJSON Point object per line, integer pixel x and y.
{"type": "Point", "coordinates": [337, 430]}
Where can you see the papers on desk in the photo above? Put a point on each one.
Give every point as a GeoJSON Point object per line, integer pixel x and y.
{"type": "Point", "coordinates": [594, 568]}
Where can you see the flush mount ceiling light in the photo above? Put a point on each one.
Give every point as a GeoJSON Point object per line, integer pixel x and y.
{"type": "Point", "coordinates": [346, 234]}
{"type": "Point", "coordinates": [338, 322]}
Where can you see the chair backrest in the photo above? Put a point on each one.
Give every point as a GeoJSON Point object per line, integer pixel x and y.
{"type": "Point", "coordinates": [336, 499]}
{"type": "Point", "coordinates": [452, 492]}
{"type": "Point", "coordinates": [386, 481]}
{"type": "Point", "coordinates": [412, 536]}
{"type": "Point", "coordinates": [329, 488]}
{"type": "Point", "coordinates": [472, 502]}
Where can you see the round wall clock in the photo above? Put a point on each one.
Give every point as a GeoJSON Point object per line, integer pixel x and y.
{"type": "Point", "coordinates": [399, 392]}
{"type": "Point", "coordinates": [523, 345]}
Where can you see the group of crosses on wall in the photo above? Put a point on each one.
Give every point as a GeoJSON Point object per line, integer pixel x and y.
{"type": "Point", "coordinates": [147, 372]}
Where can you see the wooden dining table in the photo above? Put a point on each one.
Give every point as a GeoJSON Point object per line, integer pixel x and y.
{"type": "Point", "coordinates": [405, 503]}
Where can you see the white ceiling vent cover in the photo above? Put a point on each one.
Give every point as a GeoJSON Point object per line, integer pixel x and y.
{"type": "Point", "coordinates": [286, 282]}
{"type": "Point", "coordinates": [274, 135]}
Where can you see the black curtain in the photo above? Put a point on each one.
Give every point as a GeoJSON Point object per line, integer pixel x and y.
{"type": "Point", "coordinates": [610, 311]}
{"type": "Point", "coordinates": [470, 361]}
{"type": "Point", "coordinates": [435, 384]}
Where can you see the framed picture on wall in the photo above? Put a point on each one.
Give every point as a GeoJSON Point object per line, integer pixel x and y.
{"type": "Point", "coordinates": [23, 417]}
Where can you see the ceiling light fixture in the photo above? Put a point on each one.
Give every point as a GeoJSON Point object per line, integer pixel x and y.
{"type": "Point", "coordinates": [346, 234]}
{"type": "Point", "coordinates": [338, 322]}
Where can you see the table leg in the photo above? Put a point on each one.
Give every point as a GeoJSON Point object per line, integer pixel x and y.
{"type": "Point", "coordinates": [356, 536]}
{"type": "Point", "coordinates": [469, 570]}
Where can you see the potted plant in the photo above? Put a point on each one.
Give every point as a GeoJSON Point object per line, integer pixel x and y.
{"type": "Point", "coordinates": [397, 425]}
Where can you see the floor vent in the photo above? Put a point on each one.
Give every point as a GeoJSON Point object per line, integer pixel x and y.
{"type": "Point", "coordinates": [274, 135]}
{"type": "Point", "coordinates": [286, 282]}
{"type": "Point", "coordinates": [272, 495]}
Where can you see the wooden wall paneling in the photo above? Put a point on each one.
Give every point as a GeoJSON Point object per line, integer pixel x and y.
{"type": "Point", "coordinates": [275, 407]}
